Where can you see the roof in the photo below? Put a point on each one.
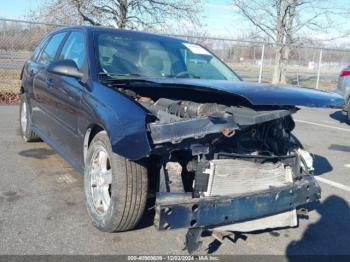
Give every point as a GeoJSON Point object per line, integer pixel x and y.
{"type": "Point", "coordinates": [121, 31]}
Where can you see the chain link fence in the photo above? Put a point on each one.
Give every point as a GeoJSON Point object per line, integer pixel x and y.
{"type": "Point", "coordinates": [17, 42]}
{"type": "Point", "coordinates": [307, 67]}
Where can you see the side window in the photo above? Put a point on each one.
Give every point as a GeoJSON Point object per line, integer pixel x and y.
{"type": "Point", "coordinates": [48, 54]}
{"type": "Point", "coordinates": [38, 49]}
{"type": "Point", "coordinates": [74, 48]}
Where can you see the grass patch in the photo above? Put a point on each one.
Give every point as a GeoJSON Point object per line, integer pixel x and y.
{"type": "Point", "coordinates": [9, 81]}
{"type": "Point", "coordinates": [9, 86]}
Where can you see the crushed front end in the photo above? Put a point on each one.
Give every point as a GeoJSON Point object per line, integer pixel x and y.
{"type": "Point", "coordinates": [225, 166]}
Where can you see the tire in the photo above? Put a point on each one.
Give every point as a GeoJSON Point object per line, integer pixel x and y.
{"type": "Point", "coordinates": [25, 122]}
{"type": "Point", "coordinates": [124, 182]}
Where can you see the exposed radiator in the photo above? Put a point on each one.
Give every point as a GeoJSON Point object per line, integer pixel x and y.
{"type": "Point", "coordinates": [232, 176]}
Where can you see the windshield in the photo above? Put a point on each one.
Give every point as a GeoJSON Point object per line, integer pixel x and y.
{"type": "Point", "coordinates": [138, 56]}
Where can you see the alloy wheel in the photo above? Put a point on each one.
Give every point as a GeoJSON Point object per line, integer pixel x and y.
{"type": "Point", "coordinates": [100, 180]}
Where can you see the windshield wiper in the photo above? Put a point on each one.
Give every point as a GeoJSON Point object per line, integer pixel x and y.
{"type": "Point", "coordinates": [179, 77]}
{"type": "Point", "coordinates": [116, 76]}
{"type": "Point", "coordinates": [122, 80]}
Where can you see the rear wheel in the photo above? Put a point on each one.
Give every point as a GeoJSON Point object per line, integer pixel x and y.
{"type": "Point", "coordinates": [115, 188]}
{"type": "Point", "coordinates": [25, 121]}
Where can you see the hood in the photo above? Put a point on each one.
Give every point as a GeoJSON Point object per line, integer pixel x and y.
{"type": "Point", "coordinates": [259, 94]}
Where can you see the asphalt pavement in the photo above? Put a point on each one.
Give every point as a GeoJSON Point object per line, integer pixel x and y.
{"type": "Point", "coordinates": [42, 207]}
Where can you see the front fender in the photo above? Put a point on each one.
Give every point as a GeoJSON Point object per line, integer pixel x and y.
{"type": "Point", "coordinates": [122, 118]}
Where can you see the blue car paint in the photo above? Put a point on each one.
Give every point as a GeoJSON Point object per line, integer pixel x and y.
{"type": "Point", "coordinates": [125, 120]}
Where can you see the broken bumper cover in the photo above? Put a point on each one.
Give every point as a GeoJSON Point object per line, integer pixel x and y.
{"type": "Point", "coordinates": [180, 210]}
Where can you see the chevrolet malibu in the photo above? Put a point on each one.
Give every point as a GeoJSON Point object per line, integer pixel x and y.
{"type": "Point", "coordinates": [143, 115]}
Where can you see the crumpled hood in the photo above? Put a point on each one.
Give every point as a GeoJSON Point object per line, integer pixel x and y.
{"type": "Point", "coordinates": [260, 94]}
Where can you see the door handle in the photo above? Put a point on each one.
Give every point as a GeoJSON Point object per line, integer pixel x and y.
{"type": "Point", "coordinates": [49, 83]}
{"type": "Point", "coordinates": [31, 72]}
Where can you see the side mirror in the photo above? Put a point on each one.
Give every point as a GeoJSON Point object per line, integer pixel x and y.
{"type": "Point", "coordinates": [65, 67]}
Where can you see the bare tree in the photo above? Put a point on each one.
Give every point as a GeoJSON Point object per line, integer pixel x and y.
{"type": "Point", "coordinates": [285, 21]}
{"type": "Point", "coordinates": [140, 14]}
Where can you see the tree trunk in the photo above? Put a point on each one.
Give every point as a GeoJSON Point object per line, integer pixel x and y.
{"type": "Point", "coordinates": [285, 60]}
{"type": "Point", "coordinates": [289, 33]}
{"type": "Point", "coordinates": [123, 12]}
{"type": "Point", "coordinates": [278, 65]}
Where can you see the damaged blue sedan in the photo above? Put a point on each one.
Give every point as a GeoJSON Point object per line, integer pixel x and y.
{"type": "Point", "coordinates": [144, 115]}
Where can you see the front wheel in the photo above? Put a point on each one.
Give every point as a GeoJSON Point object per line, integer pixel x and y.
{"type": "Point", "coordinates": [25, 121]}
{"type": "Point", "coordinates": [115, 188]}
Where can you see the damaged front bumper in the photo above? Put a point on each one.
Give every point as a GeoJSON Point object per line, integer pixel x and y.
{"type": "Point", "coordinates": [181, 210]}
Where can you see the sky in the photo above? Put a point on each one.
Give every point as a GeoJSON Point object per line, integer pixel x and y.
{"type": "Point", "coordinates": [219, 16]}
{"type": "Point", "coordinates": [17, 8]}
{"type": "Point", "coordinates": [222, 18]}
{"type": "Point", "coordinates": [212, 8]}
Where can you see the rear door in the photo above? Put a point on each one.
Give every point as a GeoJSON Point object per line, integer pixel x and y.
{"type": "Point", "coordinates": [44, 105]}
{"type": "Point", "coordinates": [30, 69]}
